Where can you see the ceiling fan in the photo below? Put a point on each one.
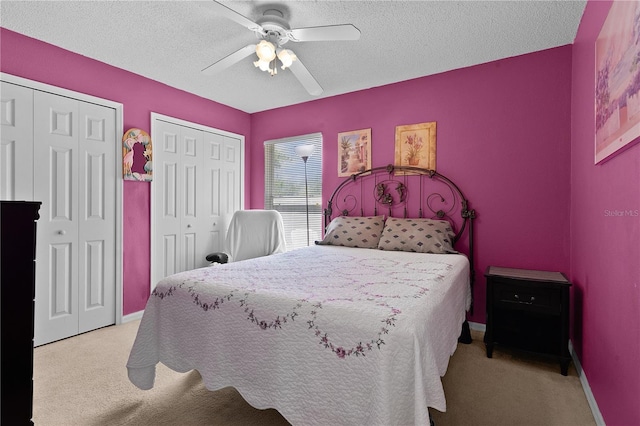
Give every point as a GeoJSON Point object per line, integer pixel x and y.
{"type": "Point", "coordinates": [274, 31]}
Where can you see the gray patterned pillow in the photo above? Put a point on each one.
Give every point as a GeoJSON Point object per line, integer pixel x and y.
{"type": "Point", "coordinates": [363, 232]}
{"type": "Point", "coordinates": [417, 235]}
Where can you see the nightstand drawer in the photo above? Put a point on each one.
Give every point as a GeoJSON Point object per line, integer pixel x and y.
{"type": "Point", "coordinates": [507, 294]}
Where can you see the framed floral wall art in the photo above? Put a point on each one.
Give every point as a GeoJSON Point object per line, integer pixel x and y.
{"type": "Point", "coordinates": [354, 152]}
{"type": "Point", "coordinates": [416, 145]}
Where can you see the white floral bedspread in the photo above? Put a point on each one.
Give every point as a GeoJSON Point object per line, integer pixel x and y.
{"type": "Point", "coordinates": [325, 335]}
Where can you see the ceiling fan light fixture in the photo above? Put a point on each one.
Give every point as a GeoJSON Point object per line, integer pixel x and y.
{"type": "Point", "coordinates": [287, 57]}
{"type": "Point", "coordinates": [273, 31]}
{"type": "Point", "coordinates": [266, 51]}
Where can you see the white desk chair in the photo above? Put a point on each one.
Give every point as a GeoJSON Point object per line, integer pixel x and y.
{"type": "Point", "coordinates": [252, 233]}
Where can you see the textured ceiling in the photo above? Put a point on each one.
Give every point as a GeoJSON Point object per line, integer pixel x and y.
{"type": "Point", "coordinates": [172, 41]}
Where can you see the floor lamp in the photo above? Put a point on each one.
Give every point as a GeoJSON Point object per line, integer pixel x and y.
{"type": "Point", "coordinates": [305, 151]}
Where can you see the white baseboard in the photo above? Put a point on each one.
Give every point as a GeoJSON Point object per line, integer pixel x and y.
{"type": "Point", "coordinates": [597, 415]}
{"type": "Point", "coordinates": [477, 326]}
{"type": "Point", "coordinates": [132, 317]}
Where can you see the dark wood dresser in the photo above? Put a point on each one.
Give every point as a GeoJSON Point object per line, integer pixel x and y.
{"type": "Point", "coordinates": [528, 310]}
{"type": "Point", "coordinates": [17, 292]}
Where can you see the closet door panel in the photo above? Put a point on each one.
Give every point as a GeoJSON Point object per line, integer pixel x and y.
{"type": "Point", "coordinates": [56, 186]}
{"type": "Point", "coordinates": [16, 142]}
{"type": "Point", "coordinates": [61, 281]}
{"type": "Point", "coordinates": [191, 169]}
{"type": "Point", "coordinates": [212, 222]}
{"type": "Point", "coordinates": [96, 244]}
{"type": "Point", "coordinates": [166, 201]}
{"type": "Point", "coordinates": [233, 169]}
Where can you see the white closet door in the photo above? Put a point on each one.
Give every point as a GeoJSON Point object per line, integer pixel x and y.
{"type": "Point", "coordinates": [56, 186]}
{"type": "Point", "coordinates": [96, 221]}
{"type": "Point", "coordinates": [166, 199]}
{"type": "Point", "coordinates": [191, 159]}
{"type": "Point", "coordinates": [178, 197]}
{"type": "Point", "coordinates": [213, 199]}
{"type": "Point", "coordinates": [16, 142]}
{"type": "Point", "coordinates": [233, 174]}
{"type": "Point", "coordinates": [63, 152]}
{"type": "Point", "coordinates": [223, 189]}
{"type": "Point", "coordinates": [74, 178]}
{"type": "Point", "coordinates": [197, 187]}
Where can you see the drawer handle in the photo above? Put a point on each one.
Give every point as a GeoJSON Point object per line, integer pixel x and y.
{"type": "Point", "coordinates": [530, 302]}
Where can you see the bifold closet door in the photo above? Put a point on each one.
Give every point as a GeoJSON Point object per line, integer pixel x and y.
{"type": "Point", "coordinates": [97, 216]}
{"type": "Point", "coordinates": [196, 189]}
{"type": "Point", "coordinates": [176, 200]}
{"type": "Point", "coordinates": [222, 186]}
{"type": "Point", "coordinates": [74, 178]}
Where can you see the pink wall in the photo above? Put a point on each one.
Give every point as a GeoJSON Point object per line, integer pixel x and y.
{"type": "Point", "coordinates": [605, 248]}
{"type": "Point", "coordinates": [503, 133]}
{"type": "Point", "coordinates": [516, 135]}
{"type": "Point", "coordinates": [29, 58]}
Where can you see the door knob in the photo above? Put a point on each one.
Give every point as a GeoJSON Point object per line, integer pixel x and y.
{"type": "Point", "coordinates": [61, 232]}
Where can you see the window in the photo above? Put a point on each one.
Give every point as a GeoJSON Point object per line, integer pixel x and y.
{"type": "Point", "coordinates": [284, 187]}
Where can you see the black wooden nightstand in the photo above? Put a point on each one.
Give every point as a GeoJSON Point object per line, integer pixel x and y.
{"type": "Point", "coordinates": [528, 310]}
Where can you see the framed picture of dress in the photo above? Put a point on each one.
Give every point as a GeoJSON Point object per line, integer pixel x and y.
{"type": "Point", "coordinates": [136, 156]}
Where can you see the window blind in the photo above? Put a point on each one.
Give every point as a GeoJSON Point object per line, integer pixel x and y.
{"type": "Point", "coordinates": [284, 187]}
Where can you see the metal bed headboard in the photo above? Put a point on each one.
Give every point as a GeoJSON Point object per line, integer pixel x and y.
{"type": "Point", "coordinates": [386, 190]}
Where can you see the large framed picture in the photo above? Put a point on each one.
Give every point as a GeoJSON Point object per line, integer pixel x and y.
{"type": "Point", "coordinates": [617, 85]}
{"type": "Point", "coordinates": [416, 145]}
{"type": "Point", "coordinates": [354, 152]}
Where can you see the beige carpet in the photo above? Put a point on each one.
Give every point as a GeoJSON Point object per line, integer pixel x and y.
{"type": "Point", "coordinates": [83, 381]}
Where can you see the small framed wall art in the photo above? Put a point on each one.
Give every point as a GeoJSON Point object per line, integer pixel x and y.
{"type": "Point", "coordinates": [416, 145]}
{"type": "Point", "coordinates": [136, 156]}
{"type": "Point", "coordinates": [354, 152]}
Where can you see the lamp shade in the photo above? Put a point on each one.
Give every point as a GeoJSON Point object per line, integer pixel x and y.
{"type": "Point", "coordinates": [304, 151]}
{"type": "Point", "coordinates": [263, 65]}
{"type": "Point", "coordinates": [266, 51]}
{"type": "Point", "coordinates": [286, 57]}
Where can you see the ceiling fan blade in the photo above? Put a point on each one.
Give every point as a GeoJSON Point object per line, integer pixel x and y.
{"type": "Point", "coordinates": [231, 14]}
{"type": "Point", "coordinates": [306, 79]}
{"type": "Point", "coordinates": [229, 60]}
{"type": "Point", "coordinates": [327, 33]}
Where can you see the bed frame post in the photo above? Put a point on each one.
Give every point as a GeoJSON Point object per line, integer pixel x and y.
{"type": "Point", "coordinates": [470, 215]}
